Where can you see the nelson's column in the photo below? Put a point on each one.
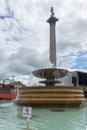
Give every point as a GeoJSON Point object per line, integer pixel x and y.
{"type": "Point", "coordinates": [52, 21]}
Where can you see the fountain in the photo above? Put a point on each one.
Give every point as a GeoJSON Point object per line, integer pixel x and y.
{"type": "Point", "coordinates": [51, 95]}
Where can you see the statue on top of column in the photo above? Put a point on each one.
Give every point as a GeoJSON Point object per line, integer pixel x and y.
{"type": "Point", "coordinates": [52, 12]}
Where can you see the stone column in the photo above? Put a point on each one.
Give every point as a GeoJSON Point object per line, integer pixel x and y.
{"type": "Point", "coordinates": [52, 21]}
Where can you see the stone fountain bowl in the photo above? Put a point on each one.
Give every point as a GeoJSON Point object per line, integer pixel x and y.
{"type": "Point", "coordinates": [50, 73]}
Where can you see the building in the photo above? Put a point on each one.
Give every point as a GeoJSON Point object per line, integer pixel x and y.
{"type": "Point", "coordinates": [75, 78]}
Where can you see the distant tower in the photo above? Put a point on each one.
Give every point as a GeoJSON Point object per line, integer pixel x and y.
{"type": "Point", "coordinates": [52, 21]}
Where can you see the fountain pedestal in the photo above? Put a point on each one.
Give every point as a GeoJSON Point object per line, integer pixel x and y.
{"type": "Point", "coordinates": [51, 75]}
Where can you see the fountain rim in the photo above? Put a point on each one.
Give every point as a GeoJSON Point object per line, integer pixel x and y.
{"type": "Point", "coordinates": [59, 73]}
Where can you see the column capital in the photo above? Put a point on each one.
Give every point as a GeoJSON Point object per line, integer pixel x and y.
{"type": "Point", "coordinates": [52, 19]}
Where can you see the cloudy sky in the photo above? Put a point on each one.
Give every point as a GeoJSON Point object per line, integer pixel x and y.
{"type": "Point", "coordinates": [24, 36]}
